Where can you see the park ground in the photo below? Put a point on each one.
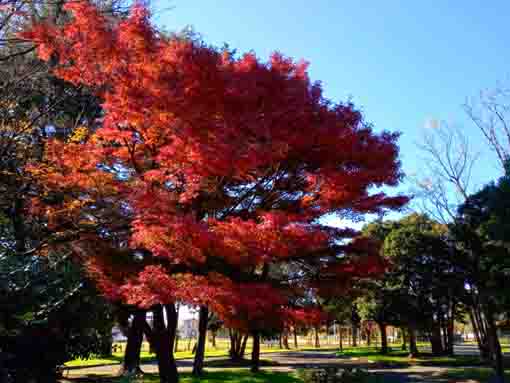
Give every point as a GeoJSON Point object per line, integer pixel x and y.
{"type": "Point", "coordinates": [283, 366]}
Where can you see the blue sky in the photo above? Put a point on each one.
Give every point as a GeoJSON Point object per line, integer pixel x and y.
{"type": "Point", "coordinates": [402, 62]}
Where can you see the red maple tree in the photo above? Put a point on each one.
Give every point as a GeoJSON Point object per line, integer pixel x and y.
{"type": "Point", "coordinates": [207, 169]}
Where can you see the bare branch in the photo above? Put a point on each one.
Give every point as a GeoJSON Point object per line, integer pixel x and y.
{"type": "Point", "coordinates": [446, 180]}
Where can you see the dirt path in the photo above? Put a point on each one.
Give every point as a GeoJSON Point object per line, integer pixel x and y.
{"type": "Point", "coordinates": [287, 361]}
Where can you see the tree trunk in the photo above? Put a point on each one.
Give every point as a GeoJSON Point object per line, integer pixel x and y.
{"type": "Point", "coordinates": [295, 338]}
{"type": "Point", "coordinates": [176, 343]}
{"type": "Point", "coordinates": [404, 339]}
{"type": "Point", "coordinates": [243, 345]}
{"type": "Point", "coordinates": [369, 337]}
{"type": "Point", "coordinates": [495, 346]}
{"type": "Point", "coordinates": [255, 353]}
{"type": "Point", "coordinates": [237, 344]}
{"type": "Point", "coordinates": [317, 343]}
{"type": "Point", "coordinates": [106, 344]}
{"type": "Point", "coordinates": [435, 340]}
{"type": "Point", "coordinates": [131, 363]}
{"type": "Point", "coordinates": [280, 343]}
{"type": "Point", "coordinates": [213, 338]}
{"type": "Point", "coordinates": [413, 349]}
{"type": "Point", "coordinates": [444, 328]}
{"type": "Point", "coordinates": [384, 338]}
{"type": "Point", "coordinates": [341, 338]}
{"type": "Point", "coordinates": [480, 330]}
{"type": "Point", "coordinates": [285, 340]}
{"type": "Point", "coordinates": [163, 339]}
{"type": "Point", "coordinates": [354, 335]}
{"type": "Point", "coordinates": [176, 340]}
{"type": "Point", "coordinates": [198, 363]}
{"type": "Point", "coordinates": [450, 329]}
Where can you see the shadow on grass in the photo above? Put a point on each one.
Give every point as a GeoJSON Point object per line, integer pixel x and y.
{"type": "Point", "coordinates": [233, 376]}
{"type": "Point", "coordinates": [396, 358]}
{"type": "Point", "coordinates": [479, 374]}
{"type": "Point", "coordinates": [238, 363]}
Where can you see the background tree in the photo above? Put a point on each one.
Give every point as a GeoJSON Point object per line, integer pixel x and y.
{"type": "Point", "coordinates": [481, 232]}
{"type": "Point", "coordinates": [446, 181]}
{"type": "Point", "coordinates": [50, 314]}
{"type": "Point", "coordinates": [490, 113]}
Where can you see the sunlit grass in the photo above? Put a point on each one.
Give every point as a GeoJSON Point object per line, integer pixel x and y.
{"type": "Point", "coordinates": [221, 350]}
{"type": "Point", "coordinates": [397, 357]}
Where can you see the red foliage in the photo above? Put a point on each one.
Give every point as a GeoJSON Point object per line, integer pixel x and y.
{"type": "Point", "coordinates": [219, 165]}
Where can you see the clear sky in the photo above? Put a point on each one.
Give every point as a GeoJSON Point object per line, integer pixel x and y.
{"type": "Point", "coordinates": [402, 62]}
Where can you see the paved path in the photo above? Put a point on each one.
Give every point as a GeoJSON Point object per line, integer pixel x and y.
{"type": "Point", "coordinates": [289, 361]}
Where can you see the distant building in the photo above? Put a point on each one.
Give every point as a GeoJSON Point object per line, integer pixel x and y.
{"type": "Point", "coordinates": [188, 328]}
{"type": "Point", "coordinates": [118, 335]}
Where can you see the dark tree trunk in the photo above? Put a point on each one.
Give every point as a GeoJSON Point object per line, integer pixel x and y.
{"type": "Point", "coordinates": [280, 341]}
{"type": "Point", "coordinates": [495, 346]}
{"type": "Point", "coordinates": [480, 330]}
{"type": "Point", "coordinates": [243, 345]}
{"type": "Point", "coordinates": [404, 339]}
{"type": "Point", "coordinates": [237, 344]}
{"type": "Point", "coordinates": [131, 363]}
{"type": "Point", "coordinates": [106, 345]}
{"type": "Point", "coordinates": [255, 353]}
{"type": "Point", "coordinates": [213, 339]}
{"type": "Point", "coordinates": [354, 335]}
{"type": "Point", "coordinates": [285, 340]}
{"type": "Point", "coordinates": [295, 338]}
{"type": "Point", "coordinates": [384, 338]}
{"type": "Point", "coordinates": [435, 340]}
{"type": "Point", "coordinates": [176, 337]}
{"type": "Point", "coordinates": [164, 337]}
{"type": "Point", "coordinates": [341, 338]}
{"type": "Point", "coordinates": [234, 348]}
{"type": "Point", "coordinates": [413, 349]}
{"type": "Point", "coordinates": [450, 331]}
{"type": "Point", "coordinates": [444, 328]}
{"type": "Point", "coordinates": [198, 363]}
{"type": "Point", "coordinates": [317, 343]}
{"type": "Point", "coordinates": [369, 337]}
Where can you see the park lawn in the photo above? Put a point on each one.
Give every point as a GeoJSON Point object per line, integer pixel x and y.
{"type": "Point", "coordinates": [401, 358]}
{"type": "Point", "coordinates": [146, 356]}
{"type": "Point", "coordinates": [226, 376]}
{"type": "Point", "coordinates": [478, 374]}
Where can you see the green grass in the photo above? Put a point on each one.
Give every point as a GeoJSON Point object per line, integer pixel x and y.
{"type": "Point", "coordinates": [221, 351]}
{"type": "Point", "coordinates": [226, 376]}
{"type": "Point", "coordinates": [482, 374]}
{"type": "Point", "coordinates": [397, 357]}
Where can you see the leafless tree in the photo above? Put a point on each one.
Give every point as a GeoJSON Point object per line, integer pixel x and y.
{"type": "Point", "coordinates": [490, 112]}
{"type": "Point", "coordinates": [445, 182]}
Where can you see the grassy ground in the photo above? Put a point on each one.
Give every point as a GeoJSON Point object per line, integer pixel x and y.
{"type": "Point", "coordinates": [230, 376]}
{"type": "Point", "coordinates": [482, 374]}
{"type": "Point", "coordinates": [397, 357]}
{"type": "Point", "coordinates": [220, 351]}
